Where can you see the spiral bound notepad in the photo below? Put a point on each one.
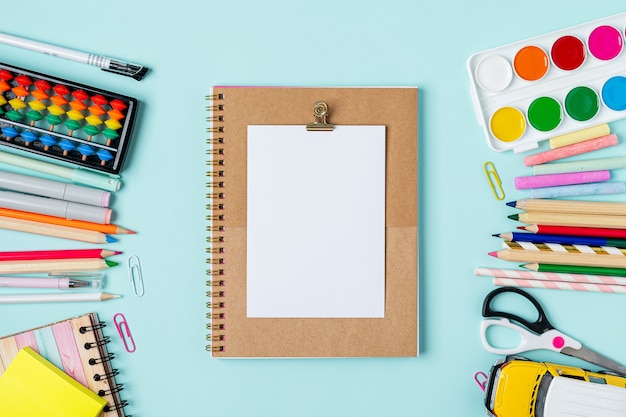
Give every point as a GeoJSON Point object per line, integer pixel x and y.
{"type": "Point", "coordinates": [258, 138]}
{"type": "Point", "coordinates": [76, 346]}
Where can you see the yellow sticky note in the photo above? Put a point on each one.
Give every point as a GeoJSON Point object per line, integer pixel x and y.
{"type": "Point", "coordinates": [32, 386]}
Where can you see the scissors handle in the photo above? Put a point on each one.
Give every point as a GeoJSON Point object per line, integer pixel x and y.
{"type": "Point", "coordinates": [541, 325]}
{"type": "Point", "coordinates": [550, 340]}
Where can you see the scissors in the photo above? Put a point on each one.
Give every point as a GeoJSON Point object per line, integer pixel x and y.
{"type": "Point", "coordinates": [538, 334]}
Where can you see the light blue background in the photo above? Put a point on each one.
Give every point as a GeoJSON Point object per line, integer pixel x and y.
{"type": "Point", "coordinates": [192, 45]}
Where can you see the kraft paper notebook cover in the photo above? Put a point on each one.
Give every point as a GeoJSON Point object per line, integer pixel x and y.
{"type": "Point", "coordinates": [238, 117]}
{"type": "Point", "coordinates": [77, 346]}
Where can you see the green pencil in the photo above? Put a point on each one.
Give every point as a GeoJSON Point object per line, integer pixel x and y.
{"type": "Point", "coordinates": [575, 269]}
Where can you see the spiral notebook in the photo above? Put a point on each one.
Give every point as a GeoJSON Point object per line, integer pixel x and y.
{"type": "Point", "coordinates": [343, 188]}
{"type": "Point", "coordinates": [77, 346]}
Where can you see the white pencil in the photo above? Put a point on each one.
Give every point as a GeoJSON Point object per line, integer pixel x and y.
{"type": "Point", "coordinates": [60, 297]}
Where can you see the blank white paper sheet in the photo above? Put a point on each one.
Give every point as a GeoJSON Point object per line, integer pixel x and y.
{"type": "Point", "coordinates": [316, 222]}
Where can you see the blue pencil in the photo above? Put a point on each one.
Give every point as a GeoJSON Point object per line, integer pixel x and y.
{"type": "Point", "coordinates": [562, 239]}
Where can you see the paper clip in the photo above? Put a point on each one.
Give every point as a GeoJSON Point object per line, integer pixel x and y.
{"type": "Point", "coordinates": [494, 180]}
{"type": "Point", "coordinates": [481, 379]}
{"type": "Point", "coordinates": [124, 331]}
{"type": "Point", "coordinates": [135, 276]}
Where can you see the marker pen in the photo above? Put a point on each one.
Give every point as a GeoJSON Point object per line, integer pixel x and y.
{"type": "Point", "coordinates": [54, 189]}
{"type": "Point", "coordinates": [54, 207]}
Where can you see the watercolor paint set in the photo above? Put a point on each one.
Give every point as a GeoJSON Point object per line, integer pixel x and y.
{"type": "Point", "coordinates": [63, 120]}
{"type": "Point", "coordinates": [550, 85]}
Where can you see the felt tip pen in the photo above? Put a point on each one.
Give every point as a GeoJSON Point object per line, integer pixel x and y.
{"type": "Point", "coordinates": [76, 175]}
{"type": "Point", "coordinates": [54, 189]}
{"type": "Point", "coordinates": [53, 207]}
{"type": "Point", "coordinates": [105, 63]}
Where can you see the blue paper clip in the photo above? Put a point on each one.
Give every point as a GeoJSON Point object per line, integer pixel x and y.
{"type": "Point", "coordinates": [135, 276]}
{"type": "Point", "coordinates": [124, 331]}
{"type": "Point", "coordinates": [494, 180]}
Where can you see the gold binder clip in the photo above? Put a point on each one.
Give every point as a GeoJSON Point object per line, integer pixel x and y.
{"type": "Point", "coordinates": [494, 180]}
{"type": "Point", "coordinates": [320, 110]}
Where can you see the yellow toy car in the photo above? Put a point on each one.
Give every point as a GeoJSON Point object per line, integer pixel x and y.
{"type": "Point", "coordinates": [518, 387]}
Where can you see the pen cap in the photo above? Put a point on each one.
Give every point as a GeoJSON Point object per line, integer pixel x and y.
{"type": "Point", "coordinates": [82, 281]}
{"type": "Point", "coordinates": [94, 283]}
{"type": "Point", "coordinates": [92, 179]}
{"type": "Point", "coordinates": [86, 212]}
{"type": "Point", "coordinates": [87, 195]}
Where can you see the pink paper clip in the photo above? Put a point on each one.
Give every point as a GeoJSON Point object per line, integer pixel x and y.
{"type": "Point", "coordinates": [481, 379]}
{"type": "Point", "coordinates": [124, 331]}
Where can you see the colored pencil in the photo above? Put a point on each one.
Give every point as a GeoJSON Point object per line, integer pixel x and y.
{"type": "Point", "coordinates": [549, 276]}
{"type": "Point", "coordinates": [571, 219]}
{"type": "Point", "coordinates": [551, 285]}
{"type": "Point", "coordinates": [54, 230]}
{"type": "Point", "coordinates": [61, 297]}
{"type": "Point", "coordinates": [575, 231]}
{"type": "Point", "coordinates": [562, 239]}
{"type": "Point", "coordinates": [555, 247]}
{"type": "Point", "coordinates": [560, 258]}
{"type": "Point", "coordinates": [110, 229]}
{"type": "Point", "coordinates": [570, 206]}
{"type": "Point", "coordinates": [57, 254]}
{"type": "Point", "coordinates": [54, 265]}
{"type": "Point", "coordinates": [576, 269]}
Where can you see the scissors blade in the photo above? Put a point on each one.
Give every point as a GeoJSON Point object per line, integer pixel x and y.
{"type": "Point", "coordinates": [595, 358]}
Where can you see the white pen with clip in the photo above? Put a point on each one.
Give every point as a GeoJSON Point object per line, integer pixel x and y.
{"type": "Point", "coordinates": [61, 281]}
{"type": "Point", "coordinates": [105, 63]}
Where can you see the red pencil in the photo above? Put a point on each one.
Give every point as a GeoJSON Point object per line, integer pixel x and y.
{"type": "Point", "coordinates": [57, 254]}
{"type": "Point", "coordinates": [575, 231]}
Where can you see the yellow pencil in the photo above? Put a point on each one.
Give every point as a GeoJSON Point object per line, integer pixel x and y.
{"type": "Point", "coordinates": [570, 206]}
{"type": "Point", "coordinates": [560, 258]}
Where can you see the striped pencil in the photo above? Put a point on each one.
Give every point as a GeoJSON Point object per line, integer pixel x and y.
{"type": "Point", "coordinates": [575, 231]}
{"type": "Point", "coordinates": [549, 276]}
{"type": "Point", "coordinates": [555, 247]}
{"type": "Point", "coordinates": [572, 286]}
{"type": "Point", "coordinates": [57, 254]}
{"type": "Point", "coordinates": [560, 258]}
